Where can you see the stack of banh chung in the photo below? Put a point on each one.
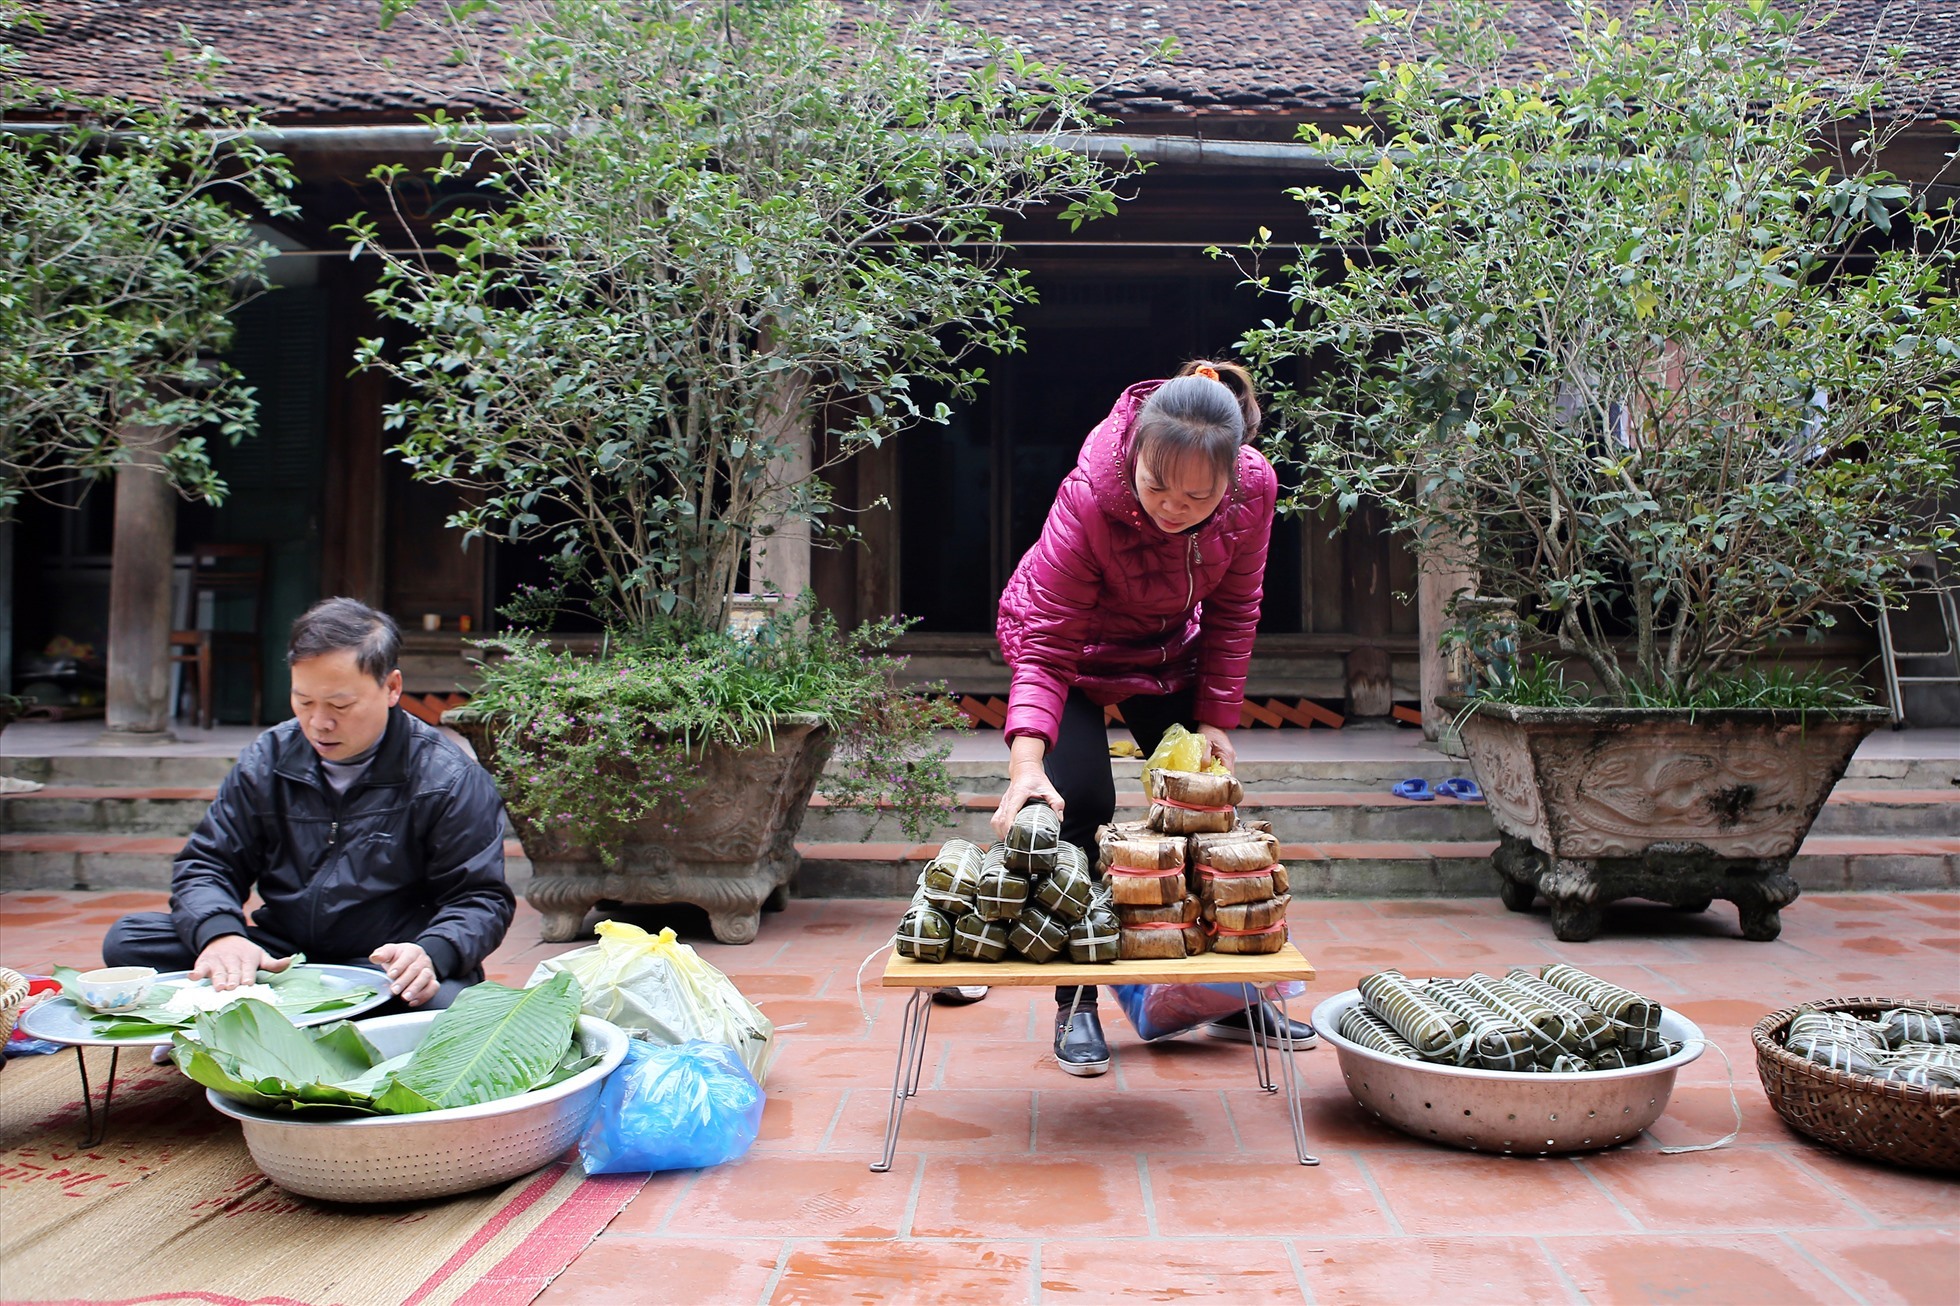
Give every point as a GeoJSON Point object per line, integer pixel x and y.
{"type": "Point", "coordinates": [1191, 875]}
{"type": "Point", "coordinates": [1557, 1018]}
{"type": "Point", "coordinates": [1031, 896]}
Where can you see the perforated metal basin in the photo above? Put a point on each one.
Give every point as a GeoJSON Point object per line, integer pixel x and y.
{"type": "Point", "coordinates": [1514, 1113]}
{"type": "Point", "coordinates": [435, 1153]}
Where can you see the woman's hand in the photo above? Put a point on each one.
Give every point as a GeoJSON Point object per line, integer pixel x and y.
{"type": "Point", "coordinates": [1027, 780]}
{"type": "Point", "coordinates": [1221, 746]}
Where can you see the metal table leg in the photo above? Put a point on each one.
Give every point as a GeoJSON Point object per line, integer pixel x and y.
{"type": "Point", "coordinates": [94, 1136]}
{"type": "Point", "coordinates": [1290, 1085]}
{"type": "Point", "coordinates": [905, 1072]}
{"type": "Point", "coordinates": [1261, 1055]}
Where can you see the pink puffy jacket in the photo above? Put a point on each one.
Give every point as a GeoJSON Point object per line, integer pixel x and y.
{"type": "Point", "coordinates": [1107, 601]}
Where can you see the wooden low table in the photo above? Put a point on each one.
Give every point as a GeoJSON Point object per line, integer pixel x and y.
{"type": "Point", "coordinates": [1211, 968]}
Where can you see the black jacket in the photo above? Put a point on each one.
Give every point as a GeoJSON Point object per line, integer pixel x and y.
{"type": "Point", "coordinates": [413, 853]}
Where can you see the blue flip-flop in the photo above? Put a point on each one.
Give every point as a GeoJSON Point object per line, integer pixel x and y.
{"type": "Point", "coordinates": [1461, 789]}
{"type": "Point", "coordinates": [1415, 788]}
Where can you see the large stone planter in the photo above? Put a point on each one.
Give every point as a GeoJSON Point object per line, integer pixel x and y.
{"type": "Point", "coordinates": [1678, 806]}
{"type": "Point", "coordinates": [733, 852]}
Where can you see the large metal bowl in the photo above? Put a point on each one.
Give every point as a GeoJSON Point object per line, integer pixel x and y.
{"type": "Point", "coordinates": [1515, 1113]}
{"type": "Point", "coordinates": [435, 1153]}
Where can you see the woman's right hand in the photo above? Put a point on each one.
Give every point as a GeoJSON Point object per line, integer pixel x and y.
{"type": "Point", "coordinates": [1027, 780]}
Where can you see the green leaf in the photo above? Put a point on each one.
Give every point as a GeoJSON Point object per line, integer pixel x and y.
{"type": "Point", "coordinates": [493, 1043]}
{"type": "Point", "coordinates": [251, 1052]}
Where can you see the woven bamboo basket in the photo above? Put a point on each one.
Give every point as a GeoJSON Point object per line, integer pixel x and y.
{"type": "Point", "coordinates": [1900, 1123]}
{"type": "Point", "coordinates": [13, 992]}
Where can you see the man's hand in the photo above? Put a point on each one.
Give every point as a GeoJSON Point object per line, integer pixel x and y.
{"type": "Point", "coordinates": [232, 960]}
{"type": "Point", "coordinates": [411, 975]}
{"type": "Point", "coordinates": [1027, 780]}
{"type": "Point", "coordinates": [1221, 746]}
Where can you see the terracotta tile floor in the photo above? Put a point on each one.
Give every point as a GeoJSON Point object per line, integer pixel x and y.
{"type": "Point", "coordinates": [1172, 1178]}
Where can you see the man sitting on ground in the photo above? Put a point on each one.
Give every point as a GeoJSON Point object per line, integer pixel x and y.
{"type": "Point", "coordinates": [370, 838]}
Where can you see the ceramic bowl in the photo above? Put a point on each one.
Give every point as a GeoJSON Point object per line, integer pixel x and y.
{"type": "Point", "coordinates": [116, 988]}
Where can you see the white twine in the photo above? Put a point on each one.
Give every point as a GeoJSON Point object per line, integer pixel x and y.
{"type": "Point", "coordinates": [1734, 1105]}
{"type": "Point", "coordinates": [869, 958]}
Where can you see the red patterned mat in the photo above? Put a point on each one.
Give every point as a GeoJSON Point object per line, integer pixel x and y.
{"type": "Point", "coordinates": [171, 1209]}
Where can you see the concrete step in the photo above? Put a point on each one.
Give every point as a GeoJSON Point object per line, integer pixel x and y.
{"type": "Point", "coordinates": [1413, 870]}
{"type": "Point", "coordinates": [1384, 868]}
{"type": "Point", "coordinates": [1297, 816]}
{"type": "Point", "coordinates": [88, 809]}
{"type": "Point", "coordinates": [114, 770]}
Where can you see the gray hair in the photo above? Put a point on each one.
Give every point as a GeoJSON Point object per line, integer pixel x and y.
{"type": "Point", "coordinates": [335, 624]}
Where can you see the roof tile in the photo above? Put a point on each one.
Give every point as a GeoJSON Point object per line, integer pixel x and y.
{"type": "Point", "coordinates": [326, 60]}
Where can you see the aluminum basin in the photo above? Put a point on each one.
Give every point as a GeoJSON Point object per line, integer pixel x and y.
{"type": "Point", "coordinates": [1511, 1112]}
{"type": "Point", "coordinates": [435, 1153]}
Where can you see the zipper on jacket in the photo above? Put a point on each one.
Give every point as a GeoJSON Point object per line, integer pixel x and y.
{"type": "Point", "coordinates": [1191, 574]}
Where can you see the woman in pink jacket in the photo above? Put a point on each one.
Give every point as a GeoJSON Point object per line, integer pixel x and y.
{"type": "Point", "coordinates": [1143, 591]}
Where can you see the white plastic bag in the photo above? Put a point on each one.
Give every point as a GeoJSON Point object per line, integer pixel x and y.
{"type": "Point", "coordinates": [658, 985]}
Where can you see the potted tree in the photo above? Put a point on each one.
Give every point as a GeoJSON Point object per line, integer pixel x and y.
{"type": "Point", "coordinates": [1651, 342]}
{"type": "Point", "coordinates": [710, 251]}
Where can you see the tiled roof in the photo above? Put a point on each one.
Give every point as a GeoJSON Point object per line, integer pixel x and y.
{"type": "Point", "coordinates": [1239, 60]}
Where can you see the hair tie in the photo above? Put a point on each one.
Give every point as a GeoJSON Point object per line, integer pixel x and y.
{"type": "Point", "coordinates": [1206, 370]}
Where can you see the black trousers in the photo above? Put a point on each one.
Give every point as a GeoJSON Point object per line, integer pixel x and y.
{"type": "Point", "coordinates": [1079, 768]}
{"type": "Point", "coordinates": [149, 938]}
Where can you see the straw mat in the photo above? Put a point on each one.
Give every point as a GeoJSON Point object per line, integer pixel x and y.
{"type": "Point", "coordinates": [171, 1209]}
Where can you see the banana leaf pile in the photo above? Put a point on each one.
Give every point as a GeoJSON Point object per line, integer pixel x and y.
{"type": "Point", "coordinates": [494, 1043]}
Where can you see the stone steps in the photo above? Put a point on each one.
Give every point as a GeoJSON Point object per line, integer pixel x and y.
{"type": "Point", "coordinates": [115, 822]}
{"type": "Point", "coordinates": [1298, 816]}
{"type": "Point", "coordinates": [1374, 869]}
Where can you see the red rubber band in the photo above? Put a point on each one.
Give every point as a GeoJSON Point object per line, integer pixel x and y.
{"type": "Point", "coordinates": [1214, 928]}
{"type": "Point", "coordinates": [1213, 873]}
{"type": "Point", "coordinates": [1160, 925]}
{"type": "Point", "coordinates": [1190, 807]}
{"type": "Point", "coordinates": [1144, 875]}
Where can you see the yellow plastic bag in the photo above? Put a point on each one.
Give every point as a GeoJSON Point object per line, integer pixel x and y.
{"type": "Point", "coordinates": [660, 986]}
{"type": "Point", "coordinates": [1181, 750]}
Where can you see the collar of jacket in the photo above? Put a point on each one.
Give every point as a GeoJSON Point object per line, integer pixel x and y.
{"type": "Point", "coordinates": [295, 759]}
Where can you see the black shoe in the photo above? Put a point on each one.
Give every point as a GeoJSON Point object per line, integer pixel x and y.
{"type": "Point", "coordinates": [1079, 1045]}
{"type": "Point", "coordinates": [959, 995]}
{"type": "Point", "coordinates": [1236, 1028]}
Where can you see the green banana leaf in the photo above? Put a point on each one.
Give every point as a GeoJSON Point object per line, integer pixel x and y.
{"type": "Point", "coordinates": [495, 1042]}
{"type": "Point", "coordinates": [252, 1053]}
{"type": "Point", "coordinates": [304, 991]}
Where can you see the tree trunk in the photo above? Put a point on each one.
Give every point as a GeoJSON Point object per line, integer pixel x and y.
{"type": "Point", "coordinates": [138, 695]}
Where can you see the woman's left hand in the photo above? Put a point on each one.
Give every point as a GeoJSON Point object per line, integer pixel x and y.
{"type": "Point", "coordinates": [1221, 746]}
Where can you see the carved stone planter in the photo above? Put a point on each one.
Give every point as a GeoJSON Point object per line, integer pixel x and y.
{"type": "Point", "coordinates": [1678, 806]}
{"type": "Point", "coordinates": [733, 852]}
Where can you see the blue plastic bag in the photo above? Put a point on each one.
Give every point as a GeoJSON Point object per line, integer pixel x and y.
{"type": "Point", "coordinates": [1167, 1010]}
{"type": "Point", "coordinates": [676, 1107]}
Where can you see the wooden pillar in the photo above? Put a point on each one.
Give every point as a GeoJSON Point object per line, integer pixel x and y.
{"type": "Point", "coordinates": [779, 561]}
{"type": "Point", "coordinates": [878, 556]}
{"type": "Point", "coordinates": [1438, 582]}
{"type": "Point", "coordinates": [351, 553]}
{"type": "Point", "coordinates": [1370, 684]}
{"type": "Point", "coordinates": [1446, 566]}
{"type": "Point", "coordinates": [138, 696]}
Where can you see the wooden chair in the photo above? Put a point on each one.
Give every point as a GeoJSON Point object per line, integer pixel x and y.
{"type": "Point", "coordinates": [224, 571]}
